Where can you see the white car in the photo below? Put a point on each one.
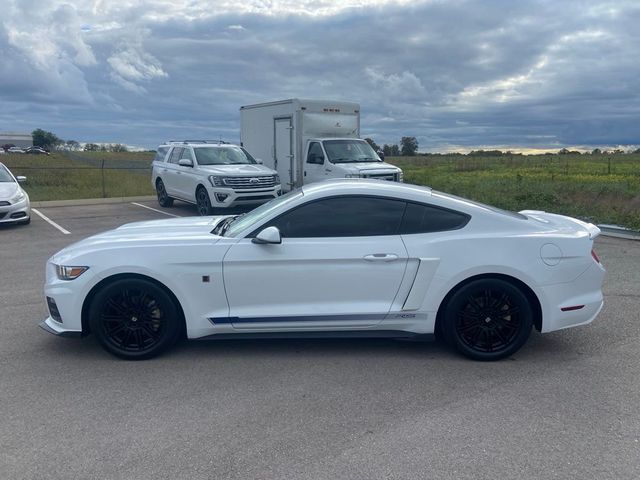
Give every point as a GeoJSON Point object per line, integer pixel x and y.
{"type": "Point", "coordinates": [213, 176]}
{"type": "Point", "coordinates": [15, 150]}
{"type": "Point", "coordinates": [335, 258]}
{"type": "Point", "coordinates": [14, 201]}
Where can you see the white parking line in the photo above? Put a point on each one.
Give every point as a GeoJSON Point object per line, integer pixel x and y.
{"type": "Point", "coordinates": [50, 222]}
{"type": "Point", "coordinates": [155, 210]}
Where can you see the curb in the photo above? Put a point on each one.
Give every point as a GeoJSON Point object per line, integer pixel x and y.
{"type": "Point", "coordinates": [627, 234]}
{"type": "Point", "coordinates": [91, 201]}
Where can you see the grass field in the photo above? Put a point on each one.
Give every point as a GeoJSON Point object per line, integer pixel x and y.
{"type": "Point", "coordinates": [81, 174]}
{"type": "Point", "coordinates": [598, 188]}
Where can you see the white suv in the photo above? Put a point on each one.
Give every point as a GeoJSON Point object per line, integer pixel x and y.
{"type": "Point", "coordinates": [211, 175]}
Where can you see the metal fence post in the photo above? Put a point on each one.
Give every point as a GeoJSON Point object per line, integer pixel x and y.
{"type": "Point", "coordinates": [104, 193]}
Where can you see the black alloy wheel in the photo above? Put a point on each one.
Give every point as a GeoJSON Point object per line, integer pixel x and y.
{"type": "Point", "coordinates": [134, 319]}
{"type": "Point", "coordinates": [488, 319]}
{"type": "Point", "coordinates": [203, 202]}
{"type": "Point", "coordinates": [163, 197]}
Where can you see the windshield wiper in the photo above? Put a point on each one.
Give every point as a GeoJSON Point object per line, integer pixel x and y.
{"type": "Point", "coordinates": [228, 223]}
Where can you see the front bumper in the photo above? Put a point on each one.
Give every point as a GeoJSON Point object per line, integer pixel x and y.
{"type": "Point", "coordinates": [53, 327]}
{"type": "Point", "coordinates": [228, 197]}
{"type": "Point", "coordinates": [17, 212]}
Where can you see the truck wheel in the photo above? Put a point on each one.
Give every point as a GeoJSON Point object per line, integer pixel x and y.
{"type": "Point", "coordinates": [163, 198]}
{"type": "Point", "coordinates": [203, 202]}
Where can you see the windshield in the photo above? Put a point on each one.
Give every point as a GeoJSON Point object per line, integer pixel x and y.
{"type": "Point", "coordinates": [222, 156]}
{"type": "Point", "coordinates": [263, 211]}
{"type": "Point", "coordinates": [350, 151]}
{"type": "Point", "coordinates": [5, 176]}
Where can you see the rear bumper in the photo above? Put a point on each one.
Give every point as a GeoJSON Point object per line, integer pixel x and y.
{"type": "Point", "coordinates": [584, 292]}
{"type": "Point", "coordinates": [53, 327]}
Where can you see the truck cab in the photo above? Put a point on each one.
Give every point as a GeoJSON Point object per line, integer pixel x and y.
{"type": "Point", "coordinates": [345, 158]}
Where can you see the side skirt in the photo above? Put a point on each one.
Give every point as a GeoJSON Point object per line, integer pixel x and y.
{"type": "Point", "coordinates": [420, 337]}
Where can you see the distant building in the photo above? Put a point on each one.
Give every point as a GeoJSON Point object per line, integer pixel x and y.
{"type": "Point", "coordinates": [22, 140]}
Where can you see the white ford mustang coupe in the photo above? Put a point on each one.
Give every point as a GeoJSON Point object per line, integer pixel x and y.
{"type": "Point", "coordinates": [343, 258]}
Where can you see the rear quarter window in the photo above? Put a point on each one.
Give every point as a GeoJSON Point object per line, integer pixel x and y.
{"type": "Point", "coordinates": [161, 153]}
{"type": "Point", "coordinates": [419, 218]}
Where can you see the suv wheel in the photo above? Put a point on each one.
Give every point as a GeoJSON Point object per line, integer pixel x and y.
{"type": "Point", "coordinates": [163, 198]}
{"type": "Point", "coordinates": [203, 202]}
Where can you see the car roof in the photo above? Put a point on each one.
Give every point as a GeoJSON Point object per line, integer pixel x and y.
{"type": "Point", "coordinates": [405, 191]}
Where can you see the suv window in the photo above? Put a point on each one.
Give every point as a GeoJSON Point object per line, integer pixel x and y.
{"type": "Point", "coordinates": [160, 154]}
{"type": "Point", "coordinates": [315, 154]}
{"type": "Point", "coordinates": [420, 218]}
{"type": "Point", "coordinates": [186, 154]}
{"type": "Point", "coordinates": [175, 154]}
{"type": "Point", "coordinates": [350, 216]}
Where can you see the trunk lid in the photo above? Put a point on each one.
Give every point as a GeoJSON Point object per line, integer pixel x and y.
{"type": "Point", "coordinates": [561, 223]}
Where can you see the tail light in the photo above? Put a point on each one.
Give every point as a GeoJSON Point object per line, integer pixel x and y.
{"type": "Point", "coordinates": [595, 256]}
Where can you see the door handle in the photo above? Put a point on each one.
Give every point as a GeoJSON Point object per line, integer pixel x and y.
{"type": "Point", "coordinates": [381, 257]}
{"type": "Point", "coordinates": [327, 170]}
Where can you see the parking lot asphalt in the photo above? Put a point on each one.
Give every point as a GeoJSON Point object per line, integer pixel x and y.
{"type": "Point", "coordinates": [565, 406]}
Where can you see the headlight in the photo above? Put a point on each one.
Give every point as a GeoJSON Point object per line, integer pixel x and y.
{"type": "Point", "coordinates": [352, 175]}
{"type": "Point", "coordinates": [401, 176]}
{"type": "Point", "coordinates": [69, 273]}
{"type": "Point", "coordinates": [276, 178]}
{"type": "Point", "coordinates": [18, 197]}
{"type": "Point", "coordinates": [215, 181]}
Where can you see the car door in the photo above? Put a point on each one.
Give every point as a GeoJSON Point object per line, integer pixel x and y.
{"type": "Point", "coordinates": [316, 166]}
{"type": "Point", "coordinates": [170, 175]}
{"type": "Point", "coordinates": [187, 177]}
{"type": "Point", "coordinates": [340, 264]}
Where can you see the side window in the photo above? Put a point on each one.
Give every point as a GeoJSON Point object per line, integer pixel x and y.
{"type": "Point", "coordinates": [425, 219]}
{"type": "Point", "coordinates": [175, 154]}
{"type": "Point", "coordinates": [315, 154]}
{"type": "Point", "coordinates": [160, 154]}
{"type": "Point", "coordinates": [186, 153]}
{"type": "Point", "coordinates": [354, 216]}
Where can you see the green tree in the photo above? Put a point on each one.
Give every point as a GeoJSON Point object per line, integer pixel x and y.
{"type": "Point", "coordinates": [395, 150]}
{"type": "Point", "coordinates": [44, 139]}
{"type": "Point", "coordinates": [118, 147]}
{"type": "Point", "coordinates": [409, 146]}
{"type": "Point", "coordinates": [596, 151]}
{"type": "Point", "coordinates": [91, 147]}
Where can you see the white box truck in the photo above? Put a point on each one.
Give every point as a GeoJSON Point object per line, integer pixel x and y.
{"type": "Point", "coordinates": [310, 140]}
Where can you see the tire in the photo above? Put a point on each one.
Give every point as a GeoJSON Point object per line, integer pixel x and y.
{"type": "Point", "coordinates": [163, 197]}
{"type": "Point", "coordinates": [488, 319]}
{"type": "Point", "coordinates": [203, 203]}
{"type": "Point", "coordinates": [134, 319]}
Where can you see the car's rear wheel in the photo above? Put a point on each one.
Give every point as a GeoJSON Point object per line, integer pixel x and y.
{"type": "Point", "coordinates": [134, 319]}
{"type": "Point", "coordinates": [488, 319]}
{"type": "Point", "coordinates": [163, 197]}
{"type": "Point", "coordinates": [203, 202]}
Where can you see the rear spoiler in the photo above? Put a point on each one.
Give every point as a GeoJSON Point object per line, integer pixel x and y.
{"type": "Point", "coordinates": [561, 221]}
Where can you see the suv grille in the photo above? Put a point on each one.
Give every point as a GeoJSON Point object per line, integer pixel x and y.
{"type": "Point", "coordinates": [392, 177]}
{"type": "Point", "coordinates": [245, 183]}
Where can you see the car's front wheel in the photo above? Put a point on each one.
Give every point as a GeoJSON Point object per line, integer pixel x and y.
{"type": "Point", "coordinates": [203, 202]}
{"type": "Point", "coordinates": [163, 197]}
{"type": "Point", "coordinates": [488, 319]}
{"type": "Point", "coordinates": [134, 319]}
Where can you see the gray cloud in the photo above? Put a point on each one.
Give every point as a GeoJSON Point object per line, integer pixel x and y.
{"type": "Point", "coordinates": [456, 73]}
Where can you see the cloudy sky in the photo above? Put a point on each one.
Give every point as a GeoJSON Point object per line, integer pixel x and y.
{"type": "Point", "coordinates": [454, 73]}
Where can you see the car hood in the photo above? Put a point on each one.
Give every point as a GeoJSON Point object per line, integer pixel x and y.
{"type": "Point", "coordinates": [171, 232]}
{"type": "Point", "coordinates": [239, 170]}
{"type": "Point", "coordinates": [371, 167]}
{"type": "Point", "coordinates": [8, 190]}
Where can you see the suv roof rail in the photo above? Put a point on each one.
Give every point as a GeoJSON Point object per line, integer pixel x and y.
{"type": "Point", "coordinates": [219, 142]}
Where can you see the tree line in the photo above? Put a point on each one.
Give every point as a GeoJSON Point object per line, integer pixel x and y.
{"type": "Point", "coordinates": [50, 141]}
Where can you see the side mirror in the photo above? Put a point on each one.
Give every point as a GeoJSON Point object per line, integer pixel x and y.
{"type": "Point", "coordinates": [270, 235]}
{"type": "Point", "coordinates": [21, 179]}
{"type": "Point", "coordinates": [185, 162]}
{"type": "Point", "coordinates": [380, 154]}
{"type": "Point", "coordinates": [259, 161]}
